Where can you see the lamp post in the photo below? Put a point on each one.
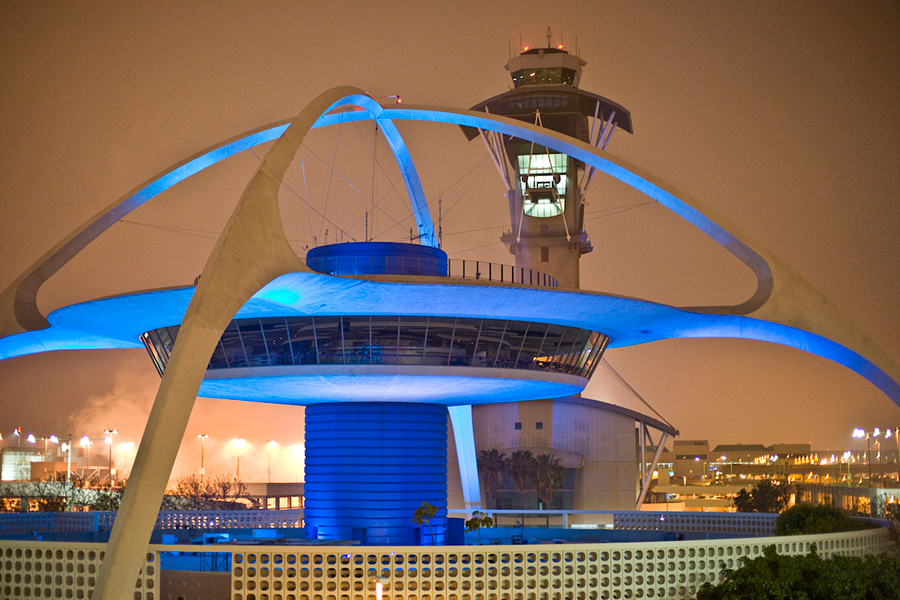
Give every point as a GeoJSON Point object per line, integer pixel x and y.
{"type": "Point", "coordinates": [125, 452]}
{"type": "Point", "coordinates": [874, 434]}
{"type": "Point", "coordinates": [67, 448]}
{"type": "Point", "coordinates": [897, 437]}
{"type": "Point", "coordinates": [239, 444]}
{"type": "Point", "coordinates": [49, 438]}
{"type": "Point", "coordinates": [86, 443]}
{"type": "Point", "coordinates": [299, 455]}
{"type": "Point", "coordinates": [109, 443]}
{"type": "Point", "coordinates": [202, 437]}
{"type": "Point", "coordinates": [269, 447]}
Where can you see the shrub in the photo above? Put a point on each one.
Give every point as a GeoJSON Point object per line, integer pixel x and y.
{"type": "Point", "coordinates": [805, 518]}
{"type": "Point", "coordinates": [767, 496]}
{"type": "Point", "coordinates": [808, 577]}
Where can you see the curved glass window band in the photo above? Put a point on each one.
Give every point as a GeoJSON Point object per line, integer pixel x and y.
{"type": "Point", "coordinates": [395, 340]}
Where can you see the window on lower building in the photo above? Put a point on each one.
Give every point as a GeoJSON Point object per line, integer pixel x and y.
{"type": "Point", "coordinates": [518, 425]}
{"type": "Point", "coordinates": [539, 425]}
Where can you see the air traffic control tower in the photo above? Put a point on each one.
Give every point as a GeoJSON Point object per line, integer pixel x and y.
{"type": "Point", "coordinates": [546, 189]}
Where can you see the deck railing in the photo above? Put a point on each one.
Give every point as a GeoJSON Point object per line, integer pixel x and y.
{"type": "Point", "coordinates": [425, 266]}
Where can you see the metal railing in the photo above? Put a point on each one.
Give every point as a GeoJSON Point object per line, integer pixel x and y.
{"type": "Point", "coordinates": [737, 524]}
{"type": "Point", "coordinates": [167, 520]}
{"type": "Point", "coordinates": [496, 272]}
{"type": "Point", "coordinates": [433, 267]}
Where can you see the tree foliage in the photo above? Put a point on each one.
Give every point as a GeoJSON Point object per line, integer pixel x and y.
{"type": "Point", "coordinates": [805, 518]}
{"type": "Point", "coordinates": [767, 496]}
{"type": "Point", "coordinates": [548, 477]}
{"type": "Point", "coordinates": [809, 577]}
{"type": "Point", "coordinates": [219, 493]}
{"type": "Point", "coordinates": [423, 516]}
{"type": "Point", "coordinates": [478, 520]}
{"type": "Point", "coordinates": [491, 465]}
{"type": "Point", "coordinates": [521, 467]}
{"type": "Point", "coordinates": [892, 512]}
{"type": "Point", "coordinates": [55, 494]}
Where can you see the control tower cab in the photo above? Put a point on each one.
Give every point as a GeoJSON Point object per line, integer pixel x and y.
{"type": "Point", "coordinates": [546, 189]}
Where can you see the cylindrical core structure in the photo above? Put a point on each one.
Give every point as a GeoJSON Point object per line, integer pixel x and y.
{"type": "Point", "coordinates": [370, 465]}
{"type": "Point", "coordinates": [378, 258]}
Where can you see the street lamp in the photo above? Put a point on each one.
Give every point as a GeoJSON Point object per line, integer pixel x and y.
{"type": "Point", "coordinates": [202, 437]}
{"type": "Point", "coordinates": [240, 444]}
{"type": "Point", "coordinates": [125, 456]}
{"type": "Point", "coordinates": [897, 436]}
{"type": "Point", "coordinates": [109, 443]}
{"type": "Point", "coordinates": [86, 443]}
{"type": "Point", "coordinates": [269, 447]}
{"type": "Point", "coordinates": [67, 448]}
{"type": "Point", "coordinates": [299, 455]}
{"type": "Point", "coordinates": [46, 438]}
{"type": "Point", "coordinates": [870, 435]}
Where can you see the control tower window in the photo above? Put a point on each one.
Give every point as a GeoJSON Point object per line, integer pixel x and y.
{"type": "Point", "coordinates": [542, 180]}
{"type": "Point", "coordinates": [545, 75]}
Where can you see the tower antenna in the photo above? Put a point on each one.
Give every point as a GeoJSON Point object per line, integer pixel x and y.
{"type": "Point", "coordinates": [440, 225]}
{"type": "Point", "coordinates": [549, 38]}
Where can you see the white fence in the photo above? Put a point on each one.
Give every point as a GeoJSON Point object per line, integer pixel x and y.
{"type": "Point", "coordinates": [676, 569]}
{"type": "Point", "coordinates": [41, 570]}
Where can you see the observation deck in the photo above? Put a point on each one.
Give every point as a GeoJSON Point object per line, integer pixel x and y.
{"type": "Point", "coordinates": [299, 359]}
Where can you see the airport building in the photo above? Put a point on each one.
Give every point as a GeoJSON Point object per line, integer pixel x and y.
{"type": "Point", "coordinates": [408, 368]}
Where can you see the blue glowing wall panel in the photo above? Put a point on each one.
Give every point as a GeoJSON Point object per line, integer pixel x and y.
{"type": "Point", "coordinates": [370, 465]}
{"type": "Point", "coordinates": [378, 258]}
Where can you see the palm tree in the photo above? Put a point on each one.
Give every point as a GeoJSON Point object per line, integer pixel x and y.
{"type": "Point", "coordinates": [491, 465]}
{"type": "Point", "coordinates": [521, 468]}
{"type": "Point", "coordinates": [548, 477]}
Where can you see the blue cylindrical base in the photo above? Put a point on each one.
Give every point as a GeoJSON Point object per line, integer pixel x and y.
{"type": "Point", "coordinates": [370, 465]}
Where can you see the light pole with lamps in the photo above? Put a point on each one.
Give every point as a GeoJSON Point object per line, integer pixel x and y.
{"type": "Point", "coordinates": [870, 435]}
{"type": "Point", "coordinates": [67, 448]}
{"type": "Point", "coordinates": [897, 436]}
{"type": "Point", "coordinates": [109, 442]}
{"type": "Point", "coordinates": [86, 443]}
{"type": "Point", "coordinates": [269, 447]}
{"type": "Point", "coordinates": [202, 437]}
{"type": "Point", "coordinates": [240, 444]}
{"type": "Point", "coordinates": [48, 438]}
